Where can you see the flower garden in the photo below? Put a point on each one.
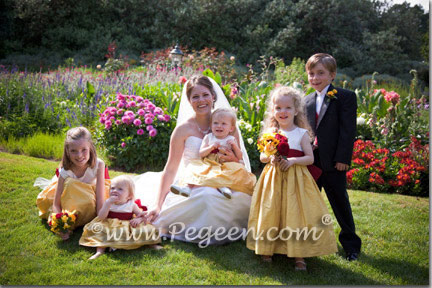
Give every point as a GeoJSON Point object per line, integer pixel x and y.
{"type": "Point", "coordinates": [132, 111]}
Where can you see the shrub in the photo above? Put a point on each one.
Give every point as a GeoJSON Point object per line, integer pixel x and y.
{"type": "Point", "coordinates": [378, 169]}
{"type": "Point", "coordinates": [135, 133]}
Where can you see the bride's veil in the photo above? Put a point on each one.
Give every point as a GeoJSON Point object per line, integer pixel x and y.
{"type": "Point", "coordinates": [186, 110]}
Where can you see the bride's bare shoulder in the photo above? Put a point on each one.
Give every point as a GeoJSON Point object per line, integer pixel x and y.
{"type": "Point", "coordinates": [185, 129]}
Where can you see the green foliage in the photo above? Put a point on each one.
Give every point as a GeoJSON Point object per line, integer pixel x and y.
{"type": "Point", "coordinates": [378, 37]}
{"type": "Point", "coordinates": [38, 145]}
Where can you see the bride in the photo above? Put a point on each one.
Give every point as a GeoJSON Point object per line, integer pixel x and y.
{"type": "Point", "coordinates": [206, 216]}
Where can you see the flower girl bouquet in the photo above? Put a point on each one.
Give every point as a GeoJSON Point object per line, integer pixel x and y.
{"type": "Point", "coordinates": [61, 223]}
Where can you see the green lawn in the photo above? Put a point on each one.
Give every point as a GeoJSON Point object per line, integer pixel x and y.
{"type": "Point", "coordinates": [394, 230]}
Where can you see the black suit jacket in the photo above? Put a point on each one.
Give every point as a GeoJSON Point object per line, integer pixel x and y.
{"type": "Point", "coordinates": [335, 128]}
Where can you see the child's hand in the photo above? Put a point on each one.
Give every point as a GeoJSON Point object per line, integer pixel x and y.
{"type": "Point", "coordinates": [232, 142]}
{"type": "Point", "coordinates": [136, 221]}
{"type": "Point", "coordinates": [112, 199]}
{"type": "Point", "coordinates": [285, 164]}
{"type": "Point", "coordinates": [216, 145]}
{"type": "Point", "coordinates": [274, 159]}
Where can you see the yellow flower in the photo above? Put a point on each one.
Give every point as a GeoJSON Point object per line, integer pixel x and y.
{"type": "Point", "coordinates": [332, 94]}
{"type": "Point", "coordinates": [66, 226]}
{"type": "Point", "coordinates": [64, 218]}
{"type": "Point", "coordinates": [73, 218]}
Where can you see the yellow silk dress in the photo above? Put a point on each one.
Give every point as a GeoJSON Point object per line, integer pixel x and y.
{"type": "Point", "coordinates": [115, 230]}
{"type": "Point", "coordinates": [209, 172]}
{"type": "Point", "coordinates": [288, 215]}
{"type": "Point", "coordinates": [78, 194]}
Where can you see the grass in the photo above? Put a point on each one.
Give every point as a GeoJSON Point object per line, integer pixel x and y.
{"type": "Point", "coordinates": [394, 230]}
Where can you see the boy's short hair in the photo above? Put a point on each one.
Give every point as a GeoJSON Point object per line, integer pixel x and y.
{"type": "Point", "coordinates": [325, 59]}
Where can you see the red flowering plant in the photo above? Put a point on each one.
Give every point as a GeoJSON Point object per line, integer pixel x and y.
{"type": "Point", "coordinates": [377, 169]}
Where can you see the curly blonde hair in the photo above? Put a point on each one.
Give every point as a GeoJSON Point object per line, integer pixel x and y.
{"type": "Point", "coordinates": [270, 122]}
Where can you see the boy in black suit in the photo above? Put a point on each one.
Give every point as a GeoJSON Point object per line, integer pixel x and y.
{"type": "Point", "coordinates": [332, 113]}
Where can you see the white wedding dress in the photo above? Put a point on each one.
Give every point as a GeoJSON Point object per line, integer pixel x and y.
{"type": "Point", "coordinates": [206, 216]}
{"type": "Point", "coordinates": [206, 211]}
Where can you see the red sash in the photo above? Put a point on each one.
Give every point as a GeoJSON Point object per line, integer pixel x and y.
{"type": "Point", "coordinates": [120, 215]}
{"type": "Point", "coordinates": [314, 170]}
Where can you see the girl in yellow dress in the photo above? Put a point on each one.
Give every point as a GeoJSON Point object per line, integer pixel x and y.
{"type": "Point", "coordinates": [210, 172]}
{"type": "Point", "coordinates": [115, 226]}
{"type": "Point", "coordinates": [81, 183]}
{"type": "Point", "coordinates": [288, 214]}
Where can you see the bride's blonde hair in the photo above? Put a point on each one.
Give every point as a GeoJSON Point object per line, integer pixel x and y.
{"type": "Point", "coordinates": [270, 122]}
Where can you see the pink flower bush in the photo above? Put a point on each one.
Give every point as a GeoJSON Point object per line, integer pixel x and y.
{"type": "Point", "coordinates": [142, 117]}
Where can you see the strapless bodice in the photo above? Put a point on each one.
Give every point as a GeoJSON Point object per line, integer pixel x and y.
{"type": "Point", "coordinates": [191, 149]}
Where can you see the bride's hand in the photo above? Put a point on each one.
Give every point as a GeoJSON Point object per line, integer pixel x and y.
{"type": "Point", "coordinates": [151, 215]}
{"type": "Point", "coordinates": [227, 155]}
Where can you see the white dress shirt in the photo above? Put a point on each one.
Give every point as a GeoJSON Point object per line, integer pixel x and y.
{"type": "Point", "coordinates": [320, 98]}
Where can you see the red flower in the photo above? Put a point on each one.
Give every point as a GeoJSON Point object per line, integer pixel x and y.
{"type": "Point", "coordinates": [283, 148]}
{"type": "Point", "coordinates": [281, 138]}
{"type": "Point", "coordinates": [182, 80]}
{"type": "Point", "coordinates": [58, 215]}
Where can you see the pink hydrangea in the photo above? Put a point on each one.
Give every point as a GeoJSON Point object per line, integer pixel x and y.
{"type": "Point", "coordinates": [167, 117]}
{"type": "Point", "coordinates": [139, 99]}
{"type": "Point", "coordinates": [132, 104]}
{"type": "Point", "coordinates": [120, 97]}
{"type": "Point", "coordinates": [108, 125]}
{"type": "Point", "coordinates": [161, 117]}
{"type": "Point", "coordinates": [137, 122]}
{"type": "Point", "coordinates": [123, 144]}
{"type": "Point", "coordinates": [118, 122]}
{"type": "Point", "coordinates": [149, 127]}
{"type": "Point", "coordinates": [120, 112]}
{"type": "Point", "coordinates": [102, 120]}
{"type": "Point", "coordinates": [141, 112]}
{"type": "Point", "coordinates": [140, 131]}
{"type": "Point", "coordinates": [153, 132]}
{"type": "Point", "coordinates": [151, 106]}
{"type": "Point", "coordinates": [120, 104]}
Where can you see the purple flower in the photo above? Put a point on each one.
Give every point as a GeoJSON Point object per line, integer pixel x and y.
{"type": "Point", "coordinates": [120, 112]}
{"type": "Point", "coordinates": [139, 99]}
{"type": "Point", "coordinates": [102, 120]}
{"type": "Point", "coordinates": [118, 122]}
{"type": "Point", "coordinates": [120, 97]}
{"type": "Point", "coordinates": [148, 120]}
{"type": "Point", "coordinates": [167, 117]}
{"type": "Point", "coordinates": [140, 131]}
{"type": "Point", "coordinates": [161, 117]}
{"type": "Point", "coordinates": [149, 127]}
{"type": "Point", "coordinates": [158, 111]}
{"type": "Point", "coordinates": [132, 104]}
{"type": "Point", "coordinates": [153, 133]}
{"type": "Point", "coordinates": [137, 122]}
{"type": "Point", "coordinates": [120, 105]}
{"type": "Point", "coordinates": [141, 112]}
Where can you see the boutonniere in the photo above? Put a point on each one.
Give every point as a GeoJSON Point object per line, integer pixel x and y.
{"type": "Point", "coordinates": [332, 94]}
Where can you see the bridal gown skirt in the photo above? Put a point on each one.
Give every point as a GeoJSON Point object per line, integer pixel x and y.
{"type": "Point", "coordinates": [285, 206]}
{"type": "Point", "coordinates": [205, 217]}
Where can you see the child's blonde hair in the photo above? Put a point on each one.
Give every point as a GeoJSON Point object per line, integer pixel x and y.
{"type": "Point", "coordinates": [75, 134]}
{"type": "Point", "coordinates": [270, 122]}
{"type": "Point", "coordinates": [128, 182]}
{"type": "Point", "coordinates": [231, 113]}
